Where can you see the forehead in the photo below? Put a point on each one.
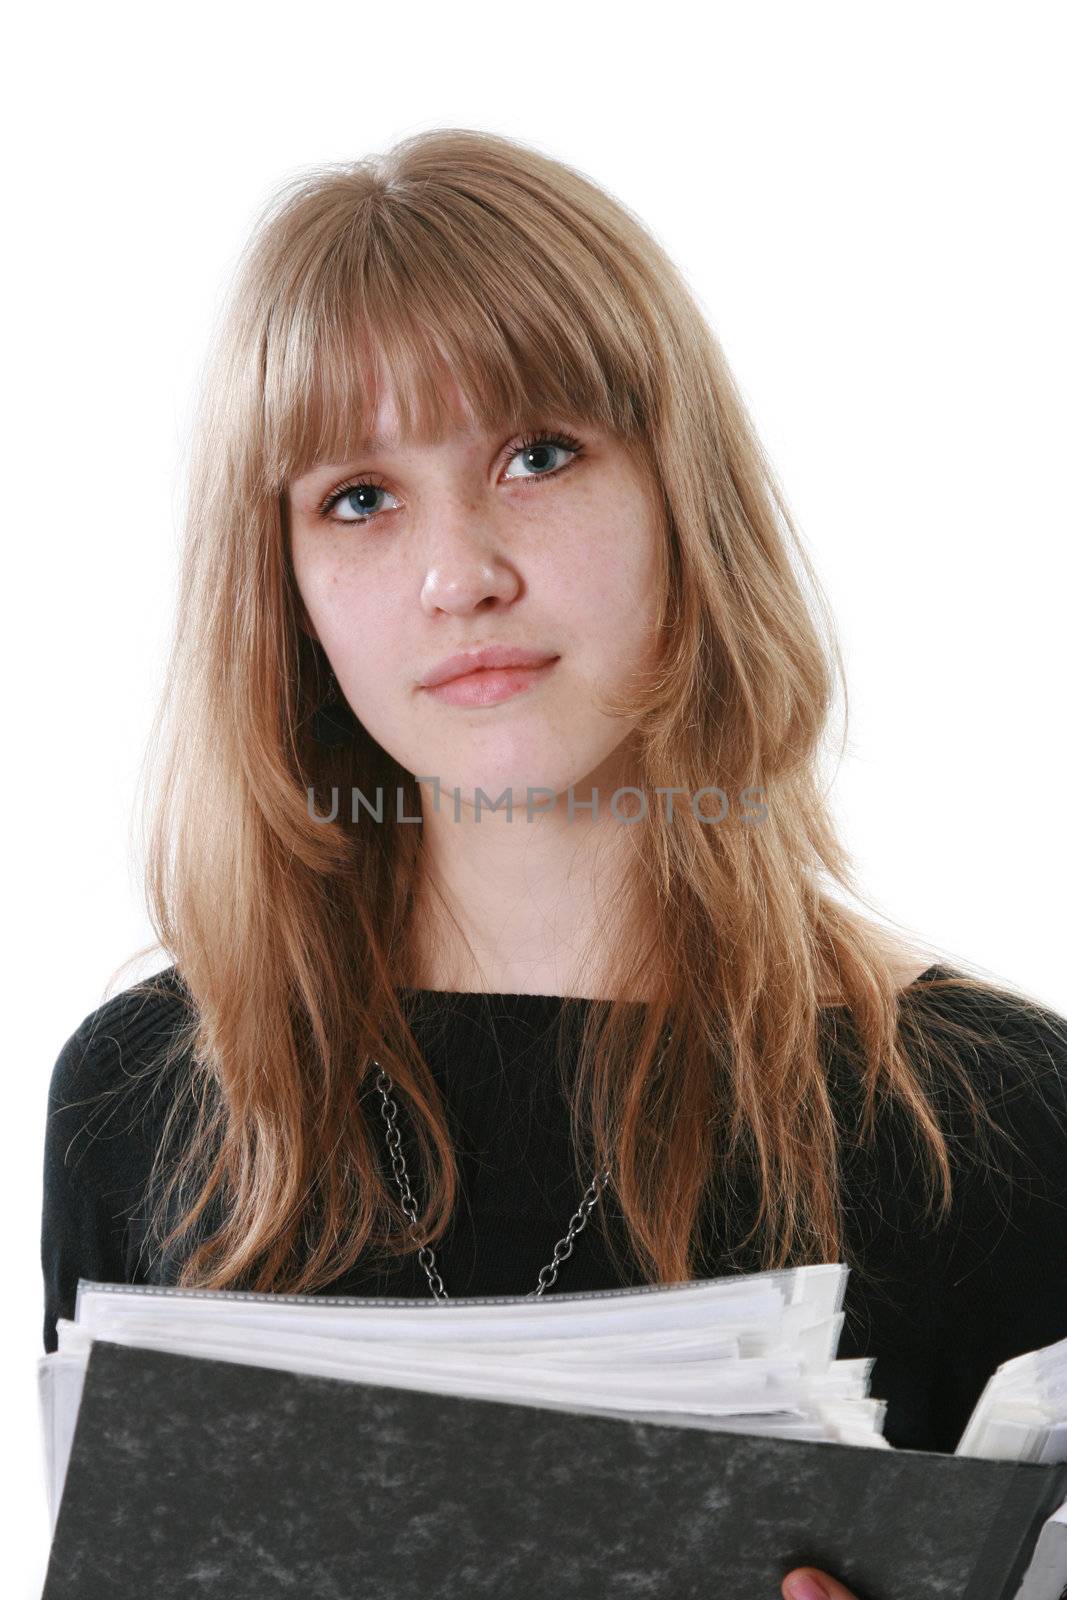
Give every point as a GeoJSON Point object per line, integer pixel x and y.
{"type": "Point", "coordinates": [379, 428]}
{"type": "Point", "coordinates": [383, 431]}
{"type": "Point", "coordinates": [383, 426]}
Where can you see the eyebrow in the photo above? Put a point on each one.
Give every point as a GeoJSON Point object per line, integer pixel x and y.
{"type": "Point", "coordinates": [375, 445]}
{"type": "Point", "coordinates": [371, 446]}
{"type": "Point", "coordinates": [362, 447]}
{"type": "Point", "coordinates": [367, 447]}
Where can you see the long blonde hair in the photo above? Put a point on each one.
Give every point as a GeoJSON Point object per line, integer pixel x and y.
{"type": "Point", "coordinates": [465, 254]}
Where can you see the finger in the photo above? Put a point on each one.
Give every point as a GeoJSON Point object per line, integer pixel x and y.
{"type": "Point", "coordinates": [809, 1583]}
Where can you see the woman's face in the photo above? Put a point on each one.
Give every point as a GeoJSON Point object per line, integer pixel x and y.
{"type": "Point", "coordinates": [433, 550]}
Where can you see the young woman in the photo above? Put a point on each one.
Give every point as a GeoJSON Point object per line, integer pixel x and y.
{"type": "Point", "coordinates": [448, 956]}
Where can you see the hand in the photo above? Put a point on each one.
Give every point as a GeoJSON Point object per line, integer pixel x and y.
{"type": "Point", "coordinates": [808, 1583]}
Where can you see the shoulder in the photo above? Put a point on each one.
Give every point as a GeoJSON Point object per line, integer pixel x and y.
{"type": "Point", "coordinates": [1004, 1251]}
{"type": "Point", "coordinates": [142, 1015]}
{"type": "Point", "coordinates": [108, 1098]}
{"type": "Point", "coordinates": [119, 1057]}
{"type": "Point", "coordinates": [1005, 1047]}
{"type": "Point", "coordinates": [1011, 1050]}
{"type": "Point", "coordinates": [992, 1065]}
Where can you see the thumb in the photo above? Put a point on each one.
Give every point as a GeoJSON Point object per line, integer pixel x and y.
{"type": "Point", "coordinates": [809, 1583]}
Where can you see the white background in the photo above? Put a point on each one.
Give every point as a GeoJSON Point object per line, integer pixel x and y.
{"type": "Point", "coordinates": [867, 201]}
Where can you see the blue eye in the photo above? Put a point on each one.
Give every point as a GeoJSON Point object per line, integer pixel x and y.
{"type": "Point", "coordinates": [365, 488]}
{"type": "Point", "coordinates": [539, 443]}
{"type": "Point", "coordinates": [358, 492]}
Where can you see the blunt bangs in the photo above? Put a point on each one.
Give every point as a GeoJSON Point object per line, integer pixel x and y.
{"type": "Point", "coordinates": [445, 309]}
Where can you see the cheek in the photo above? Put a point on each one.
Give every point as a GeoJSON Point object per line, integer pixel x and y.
{"type": "Point", "coordinates": [607, 588]}
{"type": "Point", "coordinates": [353, 620]}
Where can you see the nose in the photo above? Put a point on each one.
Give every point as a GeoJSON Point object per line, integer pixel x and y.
{"type": "Point", "coordinates": [467, 569]}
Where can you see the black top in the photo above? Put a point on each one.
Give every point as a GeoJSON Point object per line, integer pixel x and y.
{"type": "Point", "coordinates": [939, 1307]}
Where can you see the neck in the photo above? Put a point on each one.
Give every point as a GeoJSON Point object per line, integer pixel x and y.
{"type": "Point", "coordinates": [521, 908]}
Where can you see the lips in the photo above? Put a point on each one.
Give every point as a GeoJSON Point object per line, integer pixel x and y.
{"type": "Point", "coordinates": [483, 659]}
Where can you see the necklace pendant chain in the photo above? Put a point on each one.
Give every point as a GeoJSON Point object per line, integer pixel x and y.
{"type": "Point", "coordinates": [548, 1274]}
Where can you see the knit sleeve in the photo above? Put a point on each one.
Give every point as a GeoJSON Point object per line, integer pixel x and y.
{"type": "Point", "coordinates": [80, 1235]}
{"type": "Point", "coordinates": [101, 1126]}
{"type": "Point", "coordinates": [1000, 1285]}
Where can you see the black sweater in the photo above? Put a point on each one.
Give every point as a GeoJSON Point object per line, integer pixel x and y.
{"type": "Point", "coordinates": [938, 1306]}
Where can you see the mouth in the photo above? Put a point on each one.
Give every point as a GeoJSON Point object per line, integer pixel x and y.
{"type": "Point", "coordinates": [485, 686]}
{"type": "Point", "coordinates": [484, 657]}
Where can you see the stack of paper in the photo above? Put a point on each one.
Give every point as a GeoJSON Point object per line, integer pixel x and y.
{"type": "Point", "coordinates": [747, 1355]}
{"type": "Point", "coordinates": [1021, 1413]}
{"type": "Point", "coordinates": [754, 1352]}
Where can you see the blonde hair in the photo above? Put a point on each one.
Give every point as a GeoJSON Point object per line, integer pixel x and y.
{"type": "Point", "coordinates": [465, 255]}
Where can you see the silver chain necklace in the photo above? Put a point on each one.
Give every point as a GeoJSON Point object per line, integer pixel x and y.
{"type": "Point", "coordinates": [426, 1257]}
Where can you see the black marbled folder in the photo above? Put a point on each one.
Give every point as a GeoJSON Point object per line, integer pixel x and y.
{"type": "Point", "coordinates": [196, 1477]}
